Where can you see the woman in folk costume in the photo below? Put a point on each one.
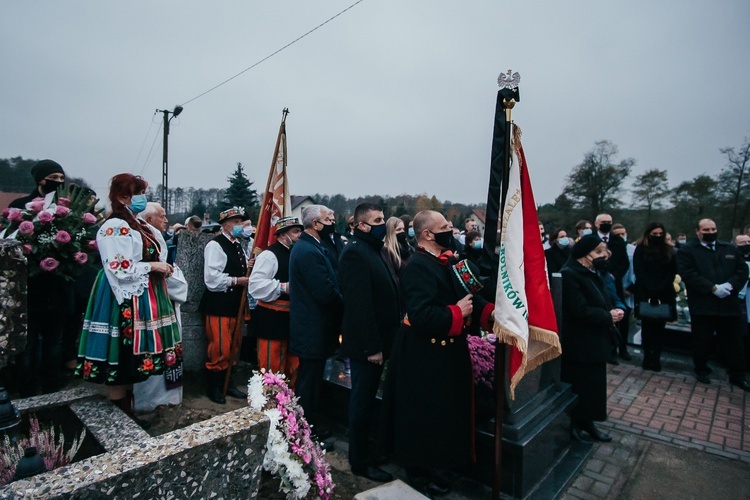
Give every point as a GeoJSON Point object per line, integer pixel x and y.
{"type": "Point", "coordinates": [130, 330]}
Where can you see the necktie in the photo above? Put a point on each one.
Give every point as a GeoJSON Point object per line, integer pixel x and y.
{"type": "Point", "coordinates": [605, 239]}
{"type": "Point", "coordinates": [711, 247]}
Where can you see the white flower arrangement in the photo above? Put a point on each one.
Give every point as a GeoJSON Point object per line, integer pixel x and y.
{"type": "Point", "coordinates": [291, 453]}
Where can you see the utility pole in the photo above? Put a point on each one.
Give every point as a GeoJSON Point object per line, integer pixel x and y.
{"type": "Point", "coordinates": [165, 155]}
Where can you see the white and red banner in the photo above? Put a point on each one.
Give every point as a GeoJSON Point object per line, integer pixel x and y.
{"type": "Point", "coordinates": [524, 313]}
{"type": "Point", "coordinates": [275, 204]}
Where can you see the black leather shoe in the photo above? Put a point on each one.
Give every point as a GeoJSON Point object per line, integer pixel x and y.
{"type": "Point", "coordinates": [624, 354]}
{"type": "Point", "coordinates": [598, 435]}
{"type": "Point", "coordinates": [702, 378]}
{"type": "Point", "coordinates": [373, 474]}
{"type": "Point", "coordinates": [233, 392]}
{"type": "Point", "coordinates": [741, 383]}
{"type": "Point", "coordinates": [215, 395]}
{"type": "Point", "coordinates": [613, 360]}
{"type": "Point", "coordinates": [578, 435]}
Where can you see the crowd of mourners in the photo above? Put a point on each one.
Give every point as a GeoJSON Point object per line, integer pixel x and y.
{"type": "Point", "coordinates": [400, 292]}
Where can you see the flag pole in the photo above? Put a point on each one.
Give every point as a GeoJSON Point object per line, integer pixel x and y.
{"type": "Point", "coordinates": [237, 332]}
{"type": "Point", "coordinates": [498, 188]}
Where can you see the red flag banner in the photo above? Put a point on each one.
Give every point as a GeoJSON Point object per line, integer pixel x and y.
{"type": "Point", "coordinates": [524, 312]}
{"type": "Point", "coordinates": [275, 204]}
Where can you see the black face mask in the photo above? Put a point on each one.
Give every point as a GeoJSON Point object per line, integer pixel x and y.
{"type": "Point", "coordinates": [599, 263]}
{"type": "Point", "coordinates": [605, 227]}
{"type": "Point", "coordinates": [710, 237]}
{"type": "Point", "coordinates": [327, 229]}
{"type": "Point", "coordinates": [655, 241]}
{"type": "Point", "coordinates": [443, 239]}
{"type": "Point", "coordinates": [745, 250]}
{"type": "Point", "coordinates": [50, 186]}
{"type": "Point", "coordinates": [401, 237]}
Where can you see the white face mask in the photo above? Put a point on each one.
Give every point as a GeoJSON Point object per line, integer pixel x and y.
{"type": "Point", "coordinates": [248, 231]}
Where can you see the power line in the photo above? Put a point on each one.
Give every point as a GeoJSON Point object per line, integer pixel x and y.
{"type": "Point", "coordinates": [150, 151]}
{"type": "Point", "coordinates": [145, 138]}
{"type": "Point", "coordinates": [274, 53]}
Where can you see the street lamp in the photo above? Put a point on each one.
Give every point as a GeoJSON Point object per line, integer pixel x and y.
{"type": "Point", "coordinates": [164, 164]}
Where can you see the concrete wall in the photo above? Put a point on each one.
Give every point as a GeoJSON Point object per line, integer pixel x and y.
{"type": "Point", "coordinates": [190, 247]}
{"type": "Point", "coordinates": [220, 457]}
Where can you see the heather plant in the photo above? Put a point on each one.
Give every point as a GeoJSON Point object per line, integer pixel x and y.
{"type": "Point", "coordinates": [50, 445]}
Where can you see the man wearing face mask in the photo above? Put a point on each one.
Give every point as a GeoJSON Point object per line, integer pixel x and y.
{"type": "Point", "coordinates": [269, 285]}
{"type": "Point", "coordinates": [48, 175]}
{"type": "Point", "coordinates": [51, 303]}
{"type": "Point", "coordinates": [428, 391]}
{"type": "Point", "coordinates": [331, 240]}
{"type": "Point", "coordinates": [714, 273]}
{"type": "Point", "coordinates": [618, 266]}
{"type": "Point", "coordinates": [371, 318]}
{"type": "Point", "coordinates": [316, 305]}
{"type": "Point", "coordinates": [225, 276]}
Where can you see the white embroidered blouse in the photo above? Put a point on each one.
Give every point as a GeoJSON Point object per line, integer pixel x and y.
{"type": "Point", "coordinates": [121, 250]}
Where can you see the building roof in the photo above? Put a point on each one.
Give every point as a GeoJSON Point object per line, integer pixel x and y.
{"type": "Point", "coordinates": [298, 200]}
{"type": "Point", "coordinates": [7, 198]}
{"type": "Point", "coordinates": [481, 214]}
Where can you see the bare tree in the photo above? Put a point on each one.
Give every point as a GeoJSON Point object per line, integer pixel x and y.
{"type": "Point", "coordinates": [733, 180]}
{"type": "Point", "coordinates": [595, 183]}
{"type": "Point", "coordinates": [650, 189]}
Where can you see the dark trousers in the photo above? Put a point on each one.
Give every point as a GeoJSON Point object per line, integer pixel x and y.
{"type": "Point", "coordinates": [728, 331]}
{"type": "Point", "coordinates": [624, 328]}
{"type": "Point", "coordinates": [40, 361]}
{"type": "Point", "coordinates": [307, 388]}
{"type": "Point", "coordinates": [365, 382]}
{"type": "Point", "coordinates": [652, 339]}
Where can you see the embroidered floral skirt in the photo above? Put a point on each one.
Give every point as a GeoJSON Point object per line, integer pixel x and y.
{"type": "Point", "coordinates": [126, 343]}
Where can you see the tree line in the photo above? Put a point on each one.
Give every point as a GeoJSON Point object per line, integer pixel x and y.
{"type": "Point", "coordinates": [598, 184]}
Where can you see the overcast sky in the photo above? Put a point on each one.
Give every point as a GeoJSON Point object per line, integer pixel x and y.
{"type": "Point", "coordinates": [391, 97]}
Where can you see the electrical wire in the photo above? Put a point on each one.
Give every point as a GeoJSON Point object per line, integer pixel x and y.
{"type": "Point", "coordinates": [145, 138]}
{"type": "Point", "coordinates": [150, 151]}
{"type": "Point", "coordinates": [274, 53]}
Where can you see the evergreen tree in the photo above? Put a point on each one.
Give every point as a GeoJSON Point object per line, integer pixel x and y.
{"type": "Point", "coordinates": [239, 193]}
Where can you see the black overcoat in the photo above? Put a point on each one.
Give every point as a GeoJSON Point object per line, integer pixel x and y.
{"type": "Point", "coordinates": [429, 379]}
{"type": "Point", "coordinates": [586, 321]}
{"type": "Point", "coordinates": [654, 277]}
{"type": "Point", "coordinates": [556, 258]}
{"type": "Point", "coordinates": [371, 298]}
{"type": "Point", "coordinates": [315, 300]}
{"type": "Point", "coordinates": [701, 269]}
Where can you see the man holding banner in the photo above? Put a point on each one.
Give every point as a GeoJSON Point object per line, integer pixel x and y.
{"type": "Point", "coordinates": [430, 379]}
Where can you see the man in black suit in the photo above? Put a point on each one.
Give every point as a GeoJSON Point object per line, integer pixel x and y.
{"type": "Point", "coordinates": [371, 318]}
{"type": "Point", "coordinates": [618, 265]}
{"type": "Point", "coordinates": [714, 272]}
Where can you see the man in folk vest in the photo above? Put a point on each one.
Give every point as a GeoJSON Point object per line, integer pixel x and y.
{"type": "Point", "coordinates": [225, 275]}
{"type": "Point", "coordinates": [269, 285]}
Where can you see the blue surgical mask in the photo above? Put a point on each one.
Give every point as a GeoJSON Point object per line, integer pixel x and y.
{"type": "Point", "coordinates": [586, 232]}
{"type": "Point", "coordinates": [248, 231]}
{"type": "Point", "coordinates": [237, 231]}
{"type": "Point", "coordinates": [477, 243]}
{"type": "Point", "coordinates": [411, 232]}
{"type": "Point", "coordinates": [138, 203]}
{"type": "Point", "coordinates": [563, 242]}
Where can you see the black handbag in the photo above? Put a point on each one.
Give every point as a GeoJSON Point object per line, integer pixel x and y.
{"type": "Point", "coordinates": [654, 309]}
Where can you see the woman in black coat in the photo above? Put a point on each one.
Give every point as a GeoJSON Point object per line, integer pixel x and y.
{"type": "Point", "coordinates": [655, 267]}
{"type": "Point", "coordinates": [558, 252]}
{"type": "Point", "coordinates": [588, 319]}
